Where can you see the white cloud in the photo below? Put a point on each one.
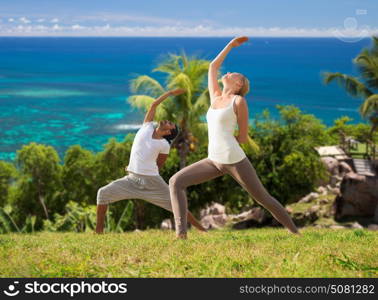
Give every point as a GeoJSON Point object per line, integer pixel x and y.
{"type": "Point", "coordinates": [77, 27]}
{"type": "Point", "coordinates": [41, 27]}
{"type": "Point", "coordinates": [10, 20]}
{"type": "Point", "coordinates": [24, 20]}
{"type": "Point", "coordinates": [55, 20]}
{"type": "Point", "coordinates": [200, 30]}
{"type": "Point", "coordinates": [57, 27]}
{"type": "Point", "coordinates": [41, 20]}
{"type": "Point", "coordinates": [122, 18]}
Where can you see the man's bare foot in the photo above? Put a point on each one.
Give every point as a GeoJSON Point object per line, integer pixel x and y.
{"type": "Point", "coordinates": [181, 236]}
{"type": "Point", "coordinates": [201, 228]}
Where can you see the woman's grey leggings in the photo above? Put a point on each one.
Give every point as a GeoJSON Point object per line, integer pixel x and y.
{"type": "Point", "coordinates": [204, 170]}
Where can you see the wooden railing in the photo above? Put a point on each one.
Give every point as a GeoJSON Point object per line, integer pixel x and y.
{"type": "Point", "coordinates": [370, 152]}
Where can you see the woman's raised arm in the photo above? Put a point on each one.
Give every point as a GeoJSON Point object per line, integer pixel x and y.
{"type": "Point", "coordinates": [213, 85]}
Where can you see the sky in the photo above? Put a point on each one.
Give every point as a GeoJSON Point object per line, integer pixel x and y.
{"type": "Point", "coordinates": [349, 18]}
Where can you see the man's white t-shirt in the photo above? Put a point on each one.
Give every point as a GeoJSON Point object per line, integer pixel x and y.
{"type": "Point", "coordinates": [145, 151]}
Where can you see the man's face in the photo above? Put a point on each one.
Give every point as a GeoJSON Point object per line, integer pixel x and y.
{"type": "Point", "coordinates": [166, 126]}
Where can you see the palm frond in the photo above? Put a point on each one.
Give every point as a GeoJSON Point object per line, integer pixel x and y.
{"type": "Point", "coordinates": [146, 85]}
{"type": "Point", "coordinates": [369, 106]}
{"type": "Point", "coordinates": [203, 102]}
{"type": "Point", "coordinates": [368, 66]}
{"type": "Point", "coordinates": [352, 85]}
{"type": "Point", "coordinates": [169, 65]}
{"type": "Point", "coordinates": [142, 102]}
{"type": "Point", "coordinates": [182, 80]}
{"type": "Point", "coordinates": [166, 68]}
{"type": "Point", "coordinates": [183, 58]}
{"type": "Point", "coordinates": [374, 49]}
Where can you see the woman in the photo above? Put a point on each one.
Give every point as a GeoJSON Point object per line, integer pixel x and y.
{"type": "Point", "coordinates": [228, 108]}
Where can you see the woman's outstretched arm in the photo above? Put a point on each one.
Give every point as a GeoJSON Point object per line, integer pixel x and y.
{"type": "Point", "coordinates": [213, 85]}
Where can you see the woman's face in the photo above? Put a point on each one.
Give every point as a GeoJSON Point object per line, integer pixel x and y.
{"type": "Point", "coordinates": [232, 80]}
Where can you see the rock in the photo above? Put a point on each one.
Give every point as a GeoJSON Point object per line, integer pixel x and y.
{"type": "Point", "coordinates": [373, 227]}
{"type": "Point", "coordinates": [336, 171]}
{"type": "Point", "coordinates": [356, 225]}
{"type": "Point", "coordinates": [213, 209]}
{"type": "Point", "coordinates": [167, 225]}
{"type": "Point", "coordinates": [335, 191]}
{"type": "Point", "coordinates": [314, 208]}
{"type": "Point", "coordinates": [305, 218]}
{"type": "Point", "coordinates": [309, 197]}
{"type": "Point", "coordinates": [256, 213]}
{"type": "Point", "coordinates": [345, 168]}
{"type": "Point", "coordinates": [331, 164]}
{"type": "Point", "coordinates": [321, 190]}
{"type": "Point", "coordinates": [213, 216]}
{"type": "Point", "coordinates": [331, 188]}
{"type": "Point", "coordinates": [337, 227]}
{"type": "Point", "coordinates": [358, 196]}
{"type": "Point", "coordinates": [214, 221]}
{"type": "Point", "coordinates": [254, 217]}
{"type": "Point", "coordinates": [246, 224]}
{"type": "Point", "coordinates": [334, 180]}
{"type": "Point", "coordinates": [323, 201]}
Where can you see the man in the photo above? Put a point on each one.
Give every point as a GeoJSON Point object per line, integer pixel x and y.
{"type": "Point", "coordinates": [149, 152]}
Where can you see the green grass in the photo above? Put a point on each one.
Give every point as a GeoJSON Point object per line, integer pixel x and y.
{"type": "Point", "coordinates": [359, 152]}
{"type": "Point", "coordinates": [266, 252]}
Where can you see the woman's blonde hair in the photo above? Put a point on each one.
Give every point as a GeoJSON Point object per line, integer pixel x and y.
{"type": "Point", "coordinates": [245, 87]}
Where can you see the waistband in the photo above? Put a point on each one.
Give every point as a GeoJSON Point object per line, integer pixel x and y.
{"type": "Point", "coordinates": [227, 164]}
{"type": "Point", "coordinates": [142, 175]}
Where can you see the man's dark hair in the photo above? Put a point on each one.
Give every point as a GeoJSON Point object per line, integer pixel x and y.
{"type": "Point", "coordinates": [173, 135]}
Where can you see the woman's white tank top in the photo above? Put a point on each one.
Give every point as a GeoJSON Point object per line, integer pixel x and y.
{"type": "Point", "coordinates": [223, 146]}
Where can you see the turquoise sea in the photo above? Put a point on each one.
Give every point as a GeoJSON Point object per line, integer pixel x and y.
{"type": "Point", "coordinates": [65, 91]}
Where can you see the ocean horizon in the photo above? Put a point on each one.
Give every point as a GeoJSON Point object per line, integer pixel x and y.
{"type": "Point", "coordinates": [63, 91]}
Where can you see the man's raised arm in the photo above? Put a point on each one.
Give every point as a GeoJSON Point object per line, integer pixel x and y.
{"type": "Point", "coordinates": [150, 115]}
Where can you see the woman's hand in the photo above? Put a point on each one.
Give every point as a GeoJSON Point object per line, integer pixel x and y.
{"type": "Point", "coordinates": [238, 41]}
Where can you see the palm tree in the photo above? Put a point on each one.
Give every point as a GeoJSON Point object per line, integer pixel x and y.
{"type": "Point", "coordinates": [187, 109]}
{"type": "Point", "coordinates": [365, 86]}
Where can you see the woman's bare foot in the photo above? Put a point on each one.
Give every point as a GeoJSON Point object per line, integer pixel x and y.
{"type": "Point", "coordinates": [297, 233]}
